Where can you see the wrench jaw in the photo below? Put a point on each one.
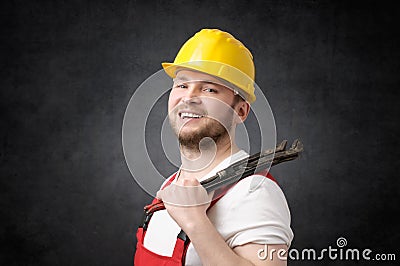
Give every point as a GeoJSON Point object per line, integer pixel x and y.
{"type": "Point", "coordinates": [288, 155]}
{"type": "Point", "coordinates": [297, 146]}
{"type": "Point", "coordinates": [281, 146]}
{"type": "Point", "coordinates": [255, 163]}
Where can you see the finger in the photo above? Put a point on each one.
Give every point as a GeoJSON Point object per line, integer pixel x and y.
{"type": "Point", "coordinates": [160, 194]}
{"type": "Point", "coordinates": [188, 182]}
{"type": "Point", "coordinates": [185, 195]}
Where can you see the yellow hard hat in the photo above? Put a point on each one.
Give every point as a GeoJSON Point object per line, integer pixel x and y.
{"type": "Point", "coordinates": [217, 53]}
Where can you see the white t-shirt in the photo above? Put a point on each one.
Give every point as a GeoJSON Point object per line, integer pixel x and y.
{"type": "Point", "coordinates": [253, 211]}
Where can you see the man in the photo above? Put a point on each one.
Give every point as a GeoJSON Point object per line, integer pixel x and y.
{"type": "Point", "coordinates": [213, 87]}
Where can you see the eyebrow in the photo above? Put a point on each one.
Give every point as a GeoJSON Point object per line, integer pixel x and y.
{"type": "Point", "coordinates": [185, 78]}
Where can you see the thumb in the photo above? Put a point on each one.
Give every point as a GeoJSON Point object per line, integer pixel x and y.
{"type": "Point", "coordinates": [160, 194]}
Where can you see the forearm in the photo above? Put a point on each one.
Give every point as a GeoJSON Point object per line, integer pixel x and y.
{"type": "Point", "coordinates": [210, 246]}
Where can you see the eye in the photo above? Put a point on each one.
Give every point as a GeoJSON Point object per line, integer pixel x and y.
{"type": "Point", "coordinates": [180, 86]}
{"type": "Point", "coordinates": [210, 90]}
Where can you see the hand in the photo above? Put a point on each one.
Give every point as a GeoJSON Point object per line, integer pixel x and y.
{"type": "Point", "coordinates": [186, 202]}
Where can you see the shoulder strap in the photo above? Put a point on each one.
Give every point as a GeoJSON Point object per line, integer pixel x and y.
{"type": "Point", "coordinates": [166, 184]}
{"type": "Point", "coordinates": [169, 181]}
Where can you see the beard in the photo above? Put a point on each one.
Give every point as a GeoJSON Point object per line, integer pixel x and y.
{"type": "Point", "coordinates": [209, 132]}
{"type": "Point", "coordinates": [212, 131]}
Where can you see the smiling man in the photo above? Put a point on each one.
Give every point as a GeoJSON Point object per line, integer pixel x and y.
{"type": "Point", "coordinates": [213, 87]}
{"type": "Point", "coordinates": [202, 113]}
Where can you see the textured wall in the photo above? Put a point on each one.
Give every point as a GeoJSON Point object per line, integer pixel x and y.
{"type": "Point", "coordinates": [330, 71]}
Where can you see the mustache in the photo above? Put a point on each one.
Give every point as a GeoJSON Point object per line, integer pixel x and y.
{"type": "Point", "coordinates": [188, 108]}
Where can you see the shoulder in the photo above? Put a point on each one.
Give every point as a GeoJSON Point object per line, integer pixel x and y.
{"type": "Point", "coordinates": [256, 196]}
{"type": "Point", "coordinates": [255, 210]}
{"type": "Point", "coordinates": [257, 189]}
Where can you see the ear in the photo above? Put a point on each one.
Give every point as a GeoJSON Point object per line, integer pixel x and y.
{"type": "Point", "coordinates": [242, 110]}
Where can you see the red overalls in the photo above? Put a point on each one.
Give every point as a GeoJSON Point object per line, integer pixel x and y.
{"type": "Point", "coordinates": [145, 257]}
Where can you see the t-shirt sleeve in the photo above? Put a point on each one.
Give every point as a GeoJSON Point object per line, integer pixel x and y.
{"type": "Point", "coordinates": [255, 211]}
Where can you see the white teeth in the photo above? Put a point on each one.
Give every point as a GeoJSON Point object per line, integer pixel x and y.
{"type": "Point", "coordinates": [190, 115]}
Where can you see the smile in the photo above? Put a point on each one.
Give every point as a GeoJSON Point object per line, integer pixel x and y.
{"type": "Point", "coordinates": [184, 115]}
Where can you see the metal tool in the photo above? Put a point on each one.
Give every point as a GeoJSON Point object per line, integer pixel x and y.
{"type": "Point", "coordinates": [253, 164]}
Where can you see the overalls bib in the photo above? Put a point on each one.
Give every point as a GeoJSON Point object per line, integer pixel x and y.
{"type": "Point", "coordinates": [145, 257]}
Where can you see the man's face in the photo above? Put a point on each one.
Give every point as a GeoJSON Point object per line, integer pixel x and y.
{"type": "Point", "coordinates": [199, 106]}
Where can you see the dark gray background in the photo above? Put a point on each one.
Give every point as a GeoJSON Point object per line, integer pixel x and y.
{"type": "Point", "coordinates": [68, 69]}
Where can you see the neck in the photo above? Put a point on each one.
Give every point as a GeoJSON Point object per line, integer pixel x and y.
{"type": "Point", "coordinates": [199, 162]}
